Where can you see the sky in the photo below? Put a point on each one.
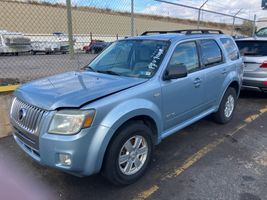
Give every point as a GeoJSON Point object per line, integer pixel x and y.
{"type": "Point", "coordinates": [249, 8]}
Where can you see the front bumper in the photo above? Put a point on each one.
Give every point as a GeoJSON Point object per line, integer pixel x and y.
{"type": "Point", "coordinates": [83, 148]}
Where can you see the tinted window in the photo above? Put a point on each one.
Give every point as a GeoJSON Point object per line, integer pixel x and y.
{"type": "Point", "coordinates": [186, 54]}
{"type": "Point", "coordinates": [231, 48]}
{"type": "Point", "coordinates": [252, 47]}
{"type": "Point", "coordinates": [211, 53]}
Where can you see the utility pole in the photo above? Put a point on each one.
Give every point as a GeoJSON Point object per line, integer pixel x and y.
{"type": "Point", "coordinates": [132, 17]}
{"type": "Point", "coordinates": [70, 33]}
{"type": "Point", "coordinates": [233, 28]}
{"type": "Point", "coordinates": [254, 26]}
{"type": "Point", "coordinates": [199, 12]}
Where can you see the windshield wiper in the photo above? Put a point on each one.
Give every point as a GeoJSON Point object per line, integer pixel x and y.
{"type": "Point", "coordinates": [108, 72]}
{"type": "Point", "coordinates": [87, 67]}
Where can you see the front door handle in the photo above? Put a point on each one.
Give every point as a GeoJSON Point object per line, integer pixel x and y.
{"type": "Point", "coordinates": [197, 82]}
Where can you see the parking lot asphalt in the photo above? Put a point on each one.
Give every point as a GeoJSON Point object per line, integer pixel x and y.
{"type": "Point", "coordinates": [28, 67]}
{"type": "Point", "coordinates": [204, 161]}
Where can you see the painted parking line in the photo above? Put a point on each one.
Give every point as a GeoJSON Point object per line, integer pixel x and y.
{"type": "Point", "coordinates": [147, 193]}
{"type": "Point", "coordinates": [198, 155]}
{"type": "Point", "coordinates": [8, 88]}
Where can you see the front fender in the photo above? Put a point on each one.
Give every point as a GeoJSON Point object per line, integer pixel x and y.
{"type": "Point", "coordinates": [112, 121]}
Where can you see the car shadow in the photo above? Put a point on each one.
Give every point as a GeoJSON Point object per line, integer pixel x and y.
{"type": "Point", "coordinates": [248, 94]}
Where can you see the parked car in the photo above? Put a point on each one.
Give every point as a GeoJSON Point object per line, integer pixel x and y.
{"type": "Point", "coordinates": [262, 32]}
{"type": "Point", "coordinates": [99, 46]}
{"type": "Point", "coordinates": [13, 43]}
{"type": "Point", "coordinates": [138, 91]}
{"type": "Point", "coordinates": [254, 51]}
{"type": "Point", "coordinates": [96, 46]}
{"type": "Point", "coordinates": [87, 48]}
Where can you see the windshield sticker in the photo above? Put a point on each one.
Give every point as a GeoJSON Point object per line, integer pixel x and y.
{"type": "Point", "coordinates": [153, 65]}
{"type": "Point", "coordinates": [148, 73]}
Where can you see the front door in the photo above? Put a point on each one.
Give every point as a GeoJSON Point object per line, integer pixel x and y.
{"type": "Point", "coordinates": [183, 98]}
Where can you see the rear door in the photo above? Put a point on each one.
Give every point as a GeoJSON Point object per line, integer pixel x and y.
{"type": "Point", "coordinates": [215, 69]}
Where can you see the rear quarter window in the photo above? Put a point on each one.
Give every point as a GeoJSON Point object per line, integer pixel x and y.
{"type": "Point", "coordinates": [252, 47]}
{"type": "Point", "coordinates": [231, 49]}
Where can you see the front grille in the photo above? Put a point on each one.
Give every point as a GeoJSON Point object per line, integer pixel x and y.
{"type": "Point", "coordinates": [31, 119]}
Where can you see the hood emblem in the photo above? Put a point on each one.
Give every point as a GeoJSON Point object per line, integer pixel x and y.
{"type": "Point", "coordinates": [22, 114]}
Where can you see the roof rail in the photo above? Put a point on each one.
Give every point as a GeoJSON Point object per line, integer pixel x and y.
{"type": "Point", "coordinates": [186, 32]}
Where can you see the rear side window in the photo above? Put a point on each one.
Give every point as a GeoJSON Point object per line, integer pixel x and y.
{"type": "Point", "coordinates": [186, 54]}
{"type": "Point", "coordinates": [211, 53]}
{"type": "Point", "coordinates": [252, 47]}
{"type": "Point", "coordinates": [231, 48]}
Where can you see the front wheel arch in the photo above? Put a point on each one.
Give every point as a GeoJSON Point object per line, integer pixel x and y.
{"type": "Point", "coordinates": [148, 121]}
{"type": "Point", "coordinates": [113, 175]}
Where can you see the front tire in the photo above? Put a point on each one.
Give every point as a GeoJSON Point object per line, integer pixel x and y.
{"type": "Point", "coordinates": [128, 154]}
{"type": "Point", "coordinates": [227, 107]}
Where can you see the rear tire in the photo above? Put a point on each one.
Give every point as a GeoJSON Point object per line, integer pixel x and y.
{"type": "Point", "coordinates": [126, 161]}
{"type": "Point", "coordinates": [227, 107]}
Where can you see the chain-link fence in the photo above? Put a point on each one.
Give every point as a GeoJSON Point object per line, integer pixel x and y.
{"type": "Point", "coordinates": [45, 37]}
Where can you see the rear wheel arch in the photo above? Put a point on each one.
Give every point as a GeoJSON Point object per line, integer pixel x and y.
{"type": "Point", "coordinates": [233, 84]}
{"type": "Point", "coordinates": [236, 86]}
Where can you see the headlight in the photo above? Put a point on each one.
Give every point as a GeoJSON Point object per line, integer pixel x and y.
{"type": "Point", "coordinates": [69, 122]}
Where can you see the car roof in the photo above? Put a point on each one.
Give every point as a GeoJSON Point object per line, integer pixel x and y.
{"type": "Point", "coordinates": [253, 39]}
{"type": "Point", "coordinates": [174, 37]}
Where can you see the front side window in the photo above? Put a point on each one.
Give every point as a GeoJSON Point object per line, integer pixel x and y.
{"type": "Point", "coordinates": [231, 48]}
{"type": "Point", "coordinates": [211, 53]}
{"type": "Point", "coordinates": [132, 58]}
{"type": "Point", "coordinates": [186, 54]}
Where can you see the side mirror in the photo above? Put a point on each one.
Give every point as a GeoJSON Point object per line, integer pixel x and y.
{"type": "Point", "coordinates": [175, 72]}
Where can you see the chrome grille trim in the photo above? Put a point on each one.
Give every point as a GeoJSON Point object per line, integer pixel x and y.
{"type": "Point", "coordinates": [33, 117]}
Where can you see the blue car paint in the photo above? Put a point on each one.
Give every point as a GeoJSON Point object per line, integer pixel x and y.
{"type": "Point", "coordinates": [118, 99]}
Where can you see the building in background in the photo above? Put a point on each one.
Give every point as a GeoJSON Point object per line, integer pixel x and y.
{"type": "Point", "coordinates": [262, 22]}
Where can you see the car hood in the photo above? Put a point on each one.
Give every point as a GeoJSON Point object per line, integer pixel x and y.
{"type": "Point", "coordinates": [72, 89]}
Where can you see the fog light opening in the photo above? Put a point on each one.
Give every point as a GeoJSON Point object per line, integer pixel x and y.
{"type": "Point", "coordinates": [64, 159]}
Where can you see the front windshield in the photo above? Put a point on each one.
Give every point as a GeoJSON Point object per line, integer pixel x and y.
{"type": "Point", "coordinates": [132, 58]}
{"type": "Point", "coordinates": [262, 32]}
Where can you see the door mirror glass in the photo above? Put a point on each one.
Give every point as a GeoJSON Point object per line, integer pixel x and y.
{"type": "Point", "coordinates": [175, 72]}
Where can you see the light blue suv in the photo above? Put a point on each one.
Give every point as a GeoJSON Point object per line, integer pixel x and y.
{"type": "Point", "coordinates": [108, 116]}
